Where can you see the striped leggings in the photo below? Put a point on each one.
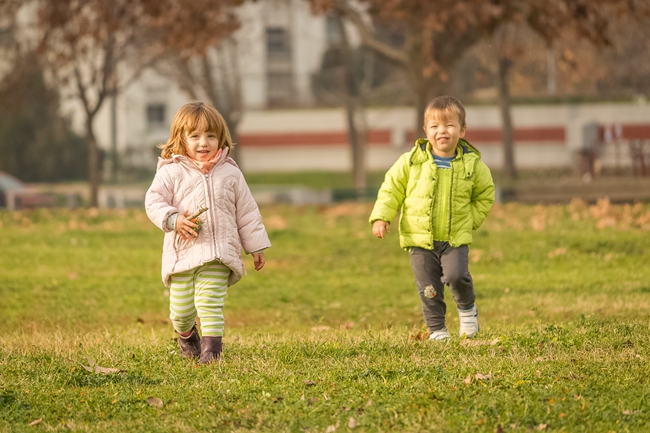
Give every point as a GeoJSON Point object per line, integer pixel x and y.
{"type": "Point", "coordinates": [200, 291]}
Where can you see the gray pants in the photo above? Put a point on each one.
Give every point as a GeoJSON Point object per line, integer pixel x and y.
{"type": "Point", "coordinates": [435, 268]}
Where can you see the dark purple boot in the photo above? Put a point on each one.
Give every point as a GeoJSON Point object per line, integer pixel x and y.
{"type": "Point", "coordinates": [210, 349]}
{"type": "Point", "coordinates": [190, 345]}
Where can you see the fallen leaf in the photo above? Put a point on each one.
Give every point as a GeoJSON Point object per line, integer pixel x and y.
{"type": "Point", "coordinates": [542, 426]}
{"type": "Point", "coordinates": [498, 429]}
{"type": "Point", "coordinates": [472, 343]}
{"type": "Point", "coordinates": [352, 423]}
{"type": "Point", "coordinates": [345, 408]}
{"type": "Point", "coordinates": [155, 401]}
{"type": "Point", "coordinates": [556, 252]}
{"type": "Point", "coordinates": [481, 376]}
{"type": "Point", "coordinates": [330, 429]}
{"type": "Point", "coordinates": [38, 421]}
{"type": "Point", "coordinates": [369, 403]}
{"type": "Point", "coordinates": [625, 412]}
{"type": "Point", "coordinates": [347, 325]}
{"type": "Point", "coordinates": [309, 383]}
{"type": "Point", "coordinates": [94, 368]}
{"type": "Point", "coordinates": [468, 379]}
{"type": "Point", "coordinates": [320, 328]}
{"type": "Point", "coordinates": [538, 373]}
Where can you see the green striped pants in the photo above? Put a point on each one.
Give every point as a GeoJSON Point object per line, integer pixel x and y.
{"type": "Point", "coordinates": [200, 291]}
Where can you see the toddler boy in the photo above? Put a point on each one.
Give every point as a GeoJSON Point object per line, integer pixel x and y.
{"type": "Point", "coordinates": [444, 192]}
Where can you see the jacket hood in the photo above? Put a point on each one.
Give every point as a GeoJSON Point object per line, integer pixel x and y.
{"type": "Point", "coordinates": [224, 158]}
{"type": "Point", "coordinates": [465, 151]}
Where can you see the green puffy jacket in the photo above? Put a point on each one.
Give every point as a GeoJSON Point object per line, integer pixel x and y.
{"type": "Point", "coordinates": [409, 187]}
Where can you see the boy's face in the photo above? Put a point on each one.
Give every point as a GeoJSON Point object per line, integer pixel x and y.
{"type": "Point", "coordinates": [443, 131]}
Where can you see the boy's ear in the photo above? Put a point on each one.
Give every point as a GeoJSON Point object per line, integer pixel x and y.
{"type": "Point", "coordinates": [462, 131]}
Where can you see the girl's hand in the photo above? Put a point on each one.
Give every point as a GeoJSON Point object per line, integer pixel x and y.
{"type": "Point", "coordinates": [184, 227]}
{"type": "Point", "coordinates": [380, 227]}
{"type": "Point", "coordinates": [259, 260]}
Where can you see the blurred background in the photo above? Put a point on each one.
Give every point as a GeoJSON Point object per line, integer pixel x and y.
{"type": "Point", "coordinates": [322, 96]}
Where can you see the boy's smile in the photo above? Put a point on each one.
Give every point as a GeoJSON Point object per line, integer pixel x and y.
{"type": "Point", "coordinates": [443, 131]}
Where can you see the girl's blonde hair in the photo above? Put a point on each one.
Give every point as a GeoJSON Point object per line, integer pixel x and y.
{"type": "Point", "coordinates": [191, 117]}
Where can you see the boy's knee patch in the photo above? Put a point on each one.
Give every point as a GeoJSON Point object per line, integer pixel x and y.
{"type": "Point", "coordinates": [429, 292]}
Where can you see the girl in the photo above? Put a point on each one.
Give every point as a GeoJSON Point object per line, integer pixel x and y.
{"type": "Point", "coordinates": [202, 257]}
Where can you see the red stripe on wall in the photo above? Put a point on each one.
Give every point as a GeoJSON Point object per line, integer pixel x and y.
{"type": "Point", "coordinates": [636, 132]}
{"type": "Point", "coordinates": [521, 135]}
{"type": "Point", "coordinates": [375, 137]}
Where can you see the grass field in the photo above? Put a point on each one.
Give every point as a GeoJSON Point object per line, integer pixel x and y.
{"type": "Point", "coordinates": [328, 337]}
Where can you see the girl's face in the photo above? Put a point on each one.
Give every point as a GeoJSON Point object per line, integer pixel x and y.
{"type": "Point", "coordinates": [201, 145]}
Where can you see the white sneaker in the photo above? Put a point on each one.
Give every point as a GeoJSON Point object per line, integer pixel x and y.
{"type": "Point", "coordinates": [468, 322]}
{"type": "Point", "coordinates": [439, 335]}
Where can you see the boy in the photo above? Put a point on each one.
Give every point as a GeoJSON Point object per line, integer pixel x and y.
{"type": "Point", "coordinates": [444, 192]}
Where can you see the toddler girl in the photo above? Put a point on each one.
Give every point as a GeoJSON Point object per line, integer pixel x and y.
{"type": "Point", "coordinates": [202, 256]}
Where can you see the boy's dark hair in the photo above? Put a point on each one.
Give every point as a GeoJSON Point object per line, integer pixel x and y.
{"type": "Point", "coordinates": [446, 103]}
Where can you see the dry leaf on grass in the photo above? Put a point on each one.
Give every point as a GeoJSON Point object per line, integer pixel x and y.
{"type": "Point", "coordinates": [309, 383]}
{"type": "Point", "coordinates": [468, 379]}
{"type": "Point", "coordinates": [94, 368]}
{"type": "Point", "coordinates": [481, 376]}
{"type": "Point", "coordinates": [155, 401]}
{"type": "Point", "coordinates": [35, 422]}
{"type": "Point", "coordinates": [352, 423]}
{"type": "Point", "coordinates": [630, 412]}
{"type": "Point", "coordinates": [471, 343]}
{"type": "Point", "coordinates": [321, 328]}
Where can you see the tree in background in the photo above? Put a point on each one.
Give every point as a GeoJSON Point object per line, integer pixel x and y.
{"type": "Point", "coordinates": [438, 34]}
{"type": "Point", "coordinates": [345, 79]}
{"type": "Point", "coordinates": [36, 143]}
{"type": "Point", "coordinates": [94, 48]}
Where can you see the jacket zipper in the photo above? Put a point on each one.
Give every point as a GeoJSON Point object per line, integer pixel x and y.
{"type": "Point", "coordinates": [451, 200]}
{"type": "Point", "coordinates": [432, 210]}
{"type": "Point", "coordinates": [213, 223]}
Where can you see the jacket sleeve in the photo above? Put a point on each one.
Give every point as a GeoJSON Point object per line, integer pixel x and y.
{"type": "Point", "coordinates": [249, 219]}
{"type": "Point", "coordinates": [392, 192]}
{"type": "Point", "coordinates": [158, 198]}
{"type": "Point", "coordinates": [482, 195]}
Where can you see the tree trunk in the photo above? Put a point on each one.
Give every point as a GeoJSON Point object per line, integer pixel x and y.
{"type": "Point", "coordinates": [509, 167]}
{"type": "Point", "coordinates": [355, 114]}
{"type": "Point", "coordinates": [94, 174]}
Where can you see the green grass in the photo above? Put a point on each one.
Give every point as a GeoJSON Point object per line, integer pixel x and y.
{"type": "Point", "coordinates": [330, 330]}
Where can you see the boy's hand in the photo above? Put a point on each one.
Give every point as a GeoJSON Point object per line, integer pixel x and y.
{"type": "Point", "coordinates": [259, 260]}
{"type": "Point", "coordinates": [184, 227]}
{"type": "Point", "coordinates": [380, 227]}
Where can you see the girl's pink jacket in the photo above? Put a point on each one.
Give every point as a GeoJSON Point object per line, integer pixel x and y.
{"type": "Point", "coordinates": [232, 221]}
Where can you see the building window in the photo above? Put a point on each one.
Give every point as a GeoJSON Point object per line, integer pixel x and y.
{"type": "Point", "coordinates": [332, 30]}
{"type": "Point", "coordinates": [156, 116]}
{"type": "Point", "coordinates": [279, 71]}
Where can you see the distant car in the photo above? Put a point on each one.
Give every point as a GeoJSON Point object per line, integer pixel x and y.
{"type": "Point", "coordinates": [16, 194]}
